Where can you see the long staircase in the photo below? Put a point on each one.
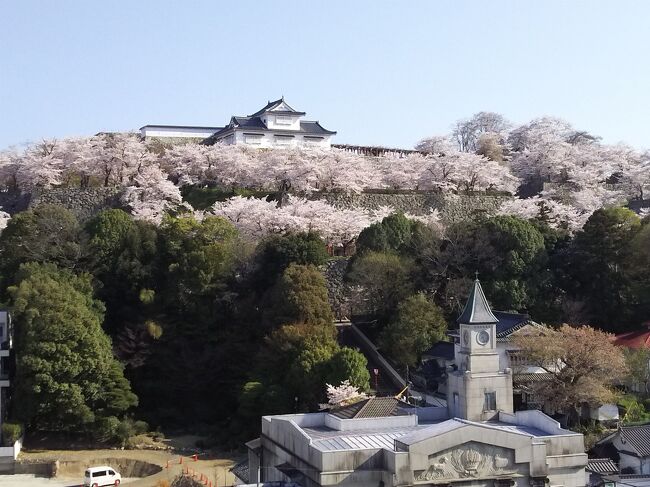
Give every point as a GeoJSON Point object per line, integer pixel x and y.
{"type": "Point", "coordinates": [388, 382]}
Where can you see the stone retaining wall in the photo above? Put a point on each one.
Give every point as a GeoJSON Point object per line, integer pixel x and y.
{"type": "Point", "coordinates": [338, 290]}
{"type": "Point", "coordinates": [452, 207]}
{"type": "Point", "coordinates": [83, 202]}
{"type": "Point", "coordinates": [86, 202]}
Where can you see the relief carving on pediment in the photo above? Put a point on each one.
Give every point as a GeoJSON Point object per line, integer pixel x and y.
{"type": "Point", "coordinates": [472, 460]}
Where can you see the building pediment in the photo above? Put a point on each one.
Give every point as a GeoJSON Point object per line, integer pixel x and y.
{"type": "Point", "coordinates": [471, 460]}
{"type": "Point", "coordinates": [454, 434]}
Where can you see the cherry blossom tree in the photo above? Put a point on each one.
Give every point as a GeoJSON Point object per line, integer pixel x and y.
{"type": "Point", "coordinates": [151, 195]}
{"type": "Point", "coordinates": [431, 219]}
{"type": "Point", "coordinates": [256, 218]}
{"type": "Point", "coordinates": [119, 157]}
{"type": "Point", "coordinates": [635, 176]}
{"type": "Point", "coordinates": [10, 163]}
{"type": "Point", "coordinates": [555, 213]}
{"type": "Point", "coordinates": [466, 133]}
{"type": "Point", "coordinates": [343, 394]}
{"type": "Point", "coordinates": [463, 171]}
{"type": "Point", "coordinates": [4, 219]}
{"type": "Point", "coordinates": [438, 144]}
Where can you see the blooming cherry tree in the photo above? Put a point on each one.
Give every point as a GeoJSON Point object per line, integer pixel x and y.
{"type": "Point", "coordinates": [256, 218]}
{"type": "Point", "coordinates": [151, 195]}
{"type": "Point", "coordinates": [343, 394]}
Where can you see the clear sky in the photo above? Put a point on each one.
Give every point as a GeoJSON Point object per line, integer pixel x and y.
{"type": "Point", "coordinates": [378, 72]}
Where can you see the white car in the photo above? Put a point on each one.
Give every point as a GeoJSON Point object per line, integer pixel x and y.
{"type": "Point", "coordinates": [99, 476]}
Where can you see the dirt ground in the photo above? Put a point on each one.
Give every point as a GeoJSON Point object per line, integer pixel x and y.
{"type": "Point", "coordinates": [214, 467]}
{"type": "Point", "coordinates": [33, 481]}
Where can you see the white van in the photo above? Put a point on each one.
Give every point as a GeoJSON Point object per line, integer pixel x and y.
{"type": "Point", "coordinates": [99, 476]}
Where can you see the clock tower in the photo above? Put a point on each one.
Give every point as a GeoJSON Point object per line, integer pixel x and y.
{"type": "Point", "coordinates": [477, 389]}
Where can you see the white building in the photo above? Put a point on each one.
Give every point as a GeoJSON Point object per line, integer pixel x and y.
{"type": "Point", "coordinates": [5, 350]}
{"type": "Point", "coordinates": [477, 440]}
{"type": "Point", "coordinates": [177, 133]}
{"type": "Point", "coordinates": [277, 125]}
{"type": "Point", "coordinates": [632, 444]}
{"type": "Point", "coordinates": [8, 453]}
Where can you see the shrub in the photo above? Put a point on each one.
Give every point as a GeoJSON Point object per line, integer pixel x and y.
{"type": "Point", "coordinates": [124, 431]}
{"type": "Point", "coordinates": [105, 429]}
{"type": "Point", "coordinates": [635, 410]}
{"type": "Point", "coordinates": [140, 427]}
{"type": "Point", "coordinates": [113, 430]}
{"type": "Point", "coordinates": [11, 432]}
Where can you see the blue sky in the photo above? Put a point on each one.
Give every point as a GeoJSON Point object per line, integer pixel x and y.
{"type": "Point", "coordinates": [378, 72]}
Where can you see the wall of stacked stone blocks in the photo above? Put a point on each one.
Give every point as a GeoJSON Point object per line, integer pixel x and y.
{"type": "Point", "coordinates": [85, 202]}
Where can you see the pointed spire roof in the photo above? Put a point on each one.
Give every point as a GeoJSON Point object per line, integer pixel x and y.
{"type": "Point", "coordinates": [477, 310]}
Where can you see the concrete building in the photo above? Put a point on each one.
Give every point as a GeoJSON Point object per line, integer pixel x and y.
{"type": "Point", "coordinates": [277, 125]}
{"type": "Point", "coordinates": [477, 440]}
{"type": "Point", "coordinates": [5, 351]}
{"type": "Point", "coordinates": [8, 453]}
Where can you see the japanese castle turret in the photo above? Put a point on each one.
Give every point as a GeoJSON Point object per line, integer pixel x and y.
{"type": "Point", "coordinates": [276, 125]}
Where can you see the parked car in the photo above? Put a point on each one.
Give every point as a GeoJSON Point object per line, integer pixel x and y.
{"type": "Point", "coordinates": [100, 476]}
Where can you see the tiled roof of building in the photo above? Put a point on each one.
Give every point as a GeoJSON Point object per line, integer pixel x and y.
{"type": "Point", "coordinates": [637, 438]}
{"type": "Point", "coordinates": [307, 127]}
{"type": "Point", "coordinates": [248, 122]}
{"type": "Point", "coordinates": [240, 470]}
{"type": "Point", "coordinates": [634, 339]}
{"type": "Point", "coordinates": [529, 378]}
{"type": "Point", "coordinates": [510, 322]}
{"type": "Point", "coordinates": [629, 480]}
{"type": "Point", "coordinates": [273, 104]}
{"type": "Point", "coordinates": [602, 465]}
{"type": "Point", "coordinates": [442, 349]}
{"type": "Point", "coordinates": [315, 128]}
{"type": "Point", "coordinates": [373, 407]}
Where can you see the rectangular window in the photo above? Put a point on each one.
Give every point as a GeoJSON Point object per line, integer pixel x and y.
{"type": "Point", "coordinates": [281, 140]}
{"type": "Point", "coordinates": [313, 140]}
{"type": "Point", "coordinates": [282, 120]}
{"type": "Point", "coordinates": [253, 139]}
{"type": "Point", "coordinates": [490, 401]}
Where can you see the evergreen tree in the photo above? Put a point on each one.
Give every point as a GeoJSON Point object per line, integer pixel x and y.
{"type": "Point", "coordinates": [351, 365]}
{"type": "Point", "coordinates": [418, 324]}
{"type": "Point", "coordinates": [300, 296]}
{"type": "Point", "coordinates": [46, 233]}
{"type": "Point", "coordinates": [275, 253]}
{"type": "Point", "coordinates": [66, 375]}
{"type": "Point", "coordinates": [596, 264]}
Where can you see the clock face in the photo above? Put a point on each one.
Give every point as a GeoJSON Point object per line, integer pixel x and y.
{"type": "Point", "coordinates": [483, 337]}
{"type": "Point", "coordinates": [466, 337]}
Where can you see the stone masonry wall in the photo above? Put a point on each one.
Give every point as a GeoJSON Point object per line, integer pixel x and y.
{"type": "Point", "coordinates": [338, 290]}
{"type": "Point", "coordinates": [452, 207]}
{"type": "Point", "coordinates": [83, 202]}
